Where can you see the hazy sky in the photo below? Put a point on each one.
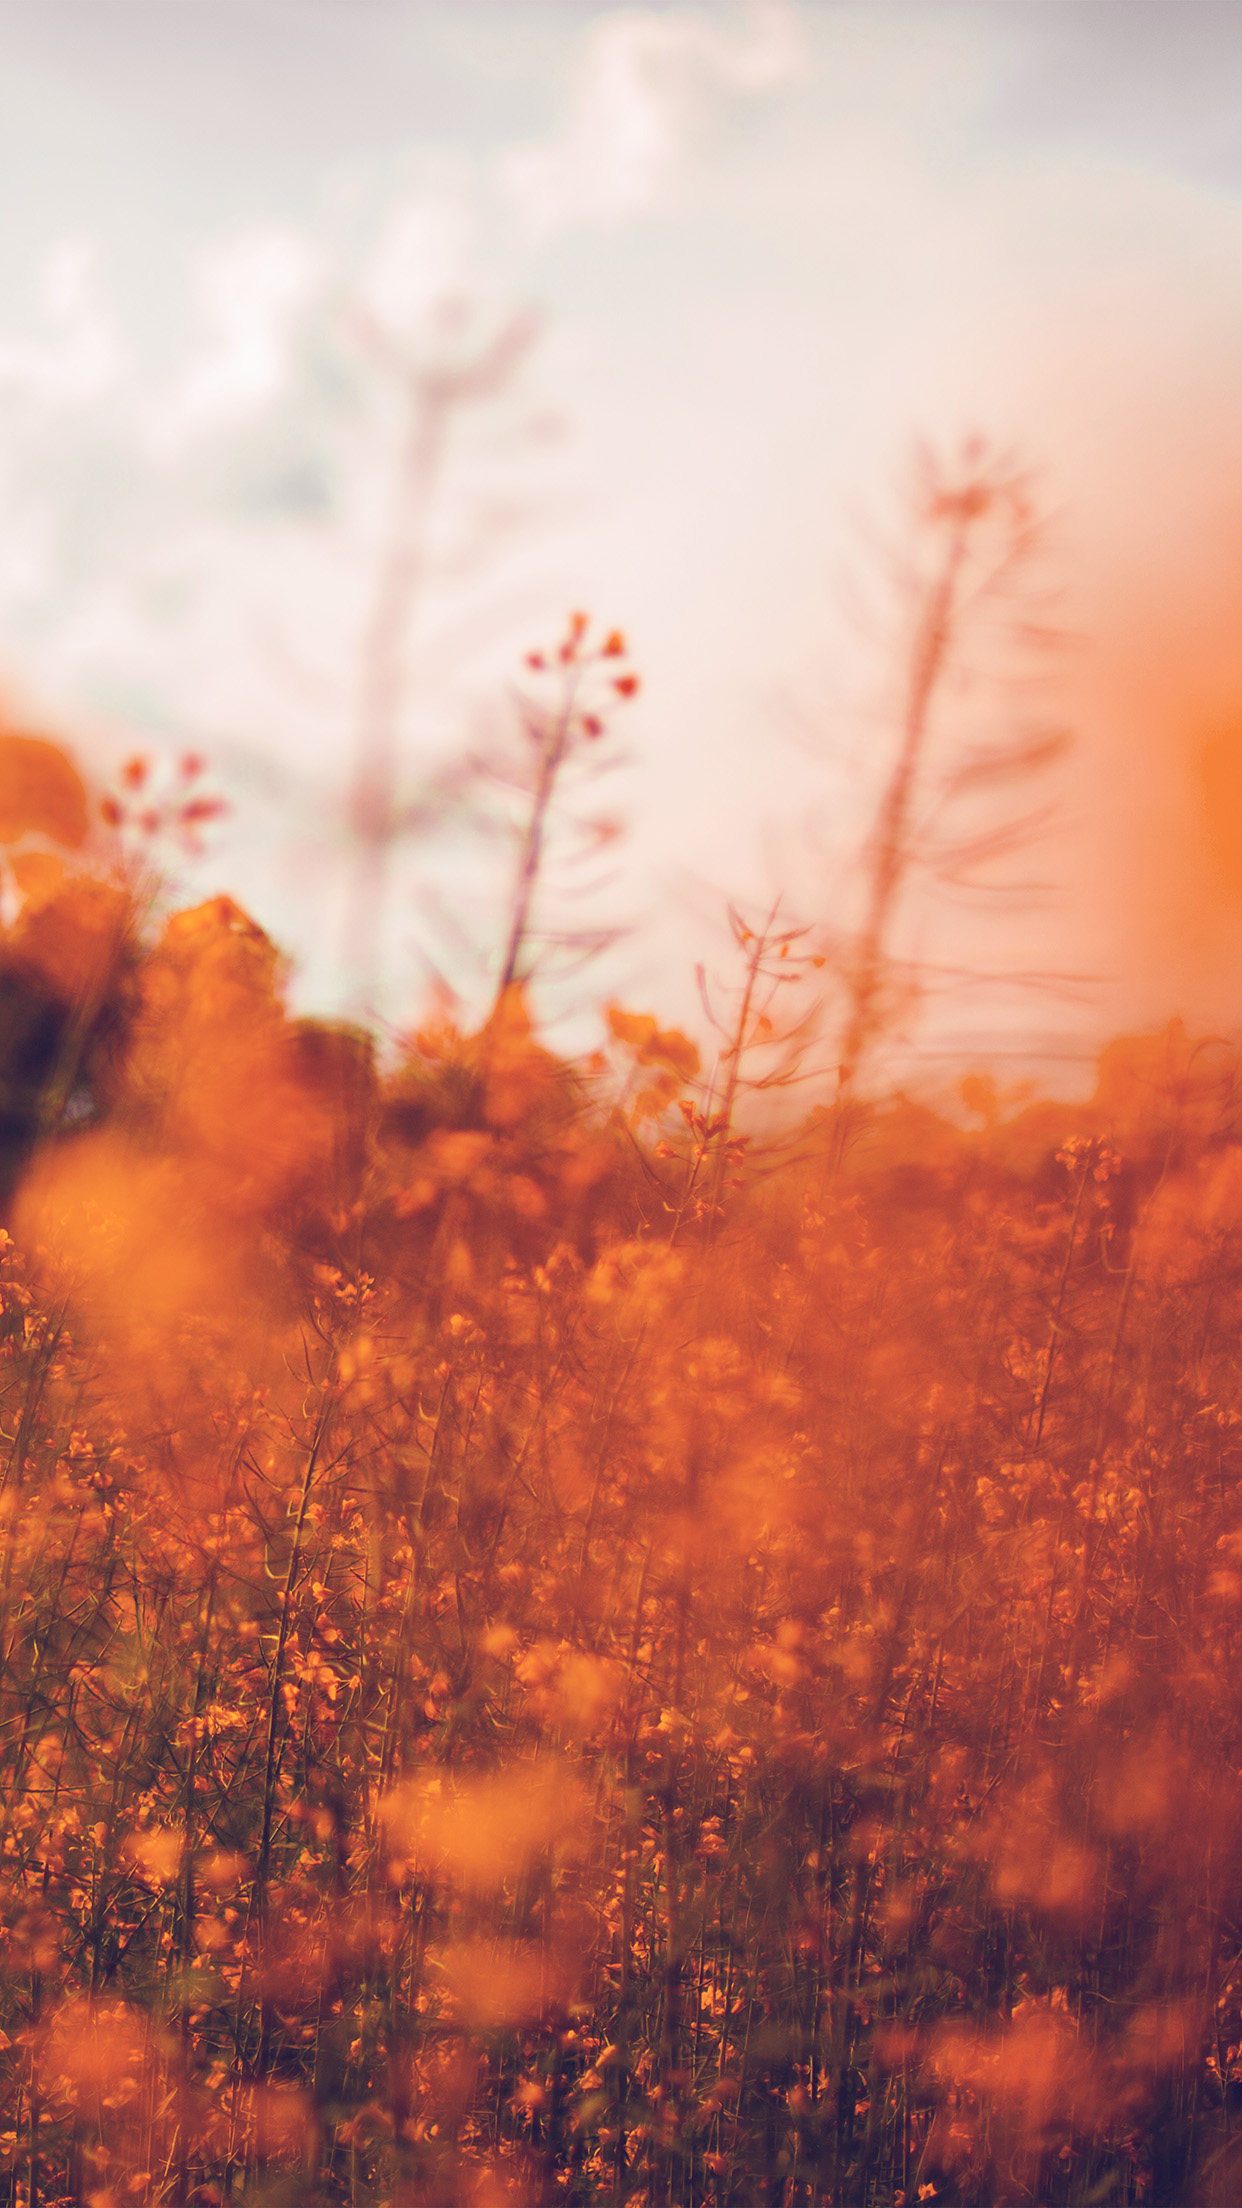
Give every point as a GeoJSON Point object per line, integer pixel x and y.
{"type": "Point", "coordinates": [769, 246]}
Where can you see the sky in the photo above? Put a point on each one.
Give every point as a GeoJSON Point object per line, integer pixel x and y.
{"type": "Point", "coordinates": [758, 252]}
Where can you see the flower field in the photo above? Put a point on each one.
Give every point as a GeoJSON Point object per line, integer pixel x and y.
{"type": "Point", "coordinates": [536, 1668]}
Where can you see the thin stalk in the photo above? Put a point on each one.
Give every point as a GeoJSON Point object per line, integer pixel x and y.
{"type": "Point", "coordinates": [891, 844]}
{"type": "Point", "coordinates": [271, 1764]}
{"type": "Point", "coordinates": [554, 745]}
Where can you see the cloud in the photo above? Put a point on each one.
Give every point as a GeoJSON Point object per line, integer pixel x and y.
{"type": "Point", "coordinates": [77, 355]}
{"type": "Point", "coordinates": [422, 256]}
{"type": "Point", "coordinates": [250, 290]}
{"type": "Point", "coordinates": [645, 84]}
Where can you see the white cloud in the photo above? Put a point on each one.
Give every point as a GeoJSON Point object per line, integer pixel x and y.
{"type": "Point", "coordinates": [421, 257]}
{"type": "Point", "coordinates": [250, 290]}
{"type": "Point", "coordinates": [644, 85]}
{"type": "Point", "coordinates": [77, 354]}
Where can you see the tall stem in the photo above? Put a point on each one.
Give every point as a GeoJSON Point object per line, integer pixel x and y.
{"type": "Point", "coordinates": [433, 397]}
{"type": "Point", "coordinates": [724, 1117]}
{"type": "Point", "coordinates": [553, 747]}
{"type": "Point", "coordinates": [272, 1757]}
{"type": "Point", "coordinates": [891, 847]}
{"type": "Point", "coordinates": [373, 801]}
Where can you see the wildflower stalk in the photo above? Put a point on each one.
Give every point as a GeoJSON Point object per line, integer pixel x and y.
{"type": "Point", "coordinates": [1058, 1306]}
{"type": "Point", "coordinates": [553, 745]}
{"type": "Point", "coordinates": [890, 854]}
{"type": "Point", "coordinates": [272, 1745]}
{"type": "Point", "coordinates": [722, 1118]}
{"type": "Point", "coordinates": [182, 1950]}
